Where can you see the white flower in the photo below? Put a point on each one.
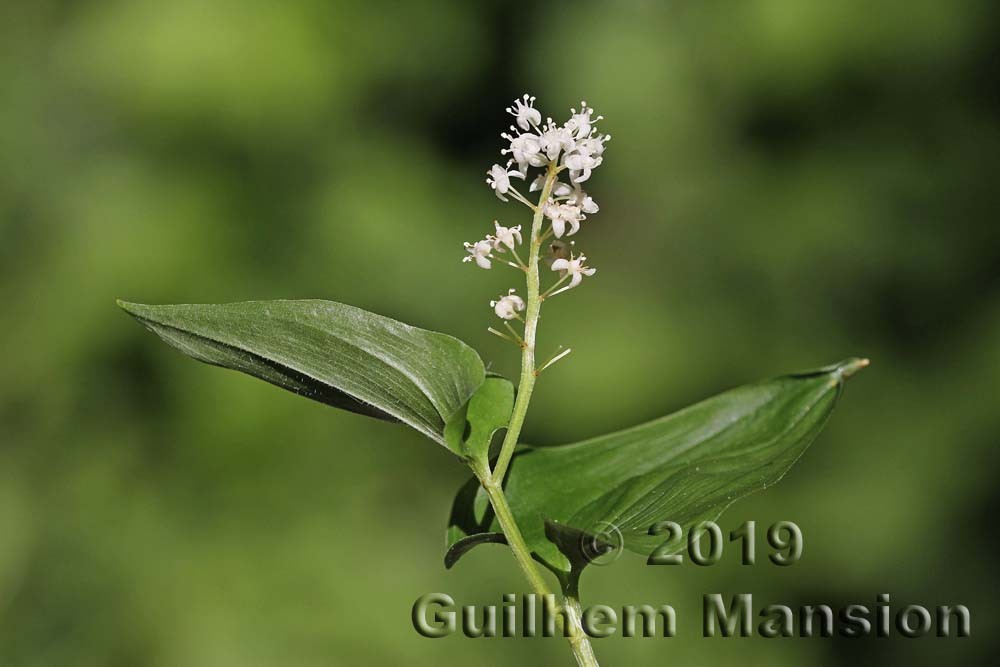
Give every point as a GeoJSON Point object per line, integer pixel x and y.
{"type": "Point", "coordinates": [581, 165]}
{"type": "Point", "coordinates": [560, 189]}
{"type": "Point", "coordinates": [582, 123]}
{"type": "Point", "coordinates": [562, 215]}
{"type": "Point", "coordinates": [505, 236]}
{"type": "Point", "coordinates": [573, 267]}
{"type": "Point", "coordinates": [592, 145]}
{"type": "Point", "coordinates": [556, 139]}
{"type": "Point", "coordinates": [499, 179]}
{"type": "Point", "coordinates": [585, 156]}
{"type": "Point", "coordinates": [525, 149]}
{"type": "Point", "coordinates": [525, 112]}
{"type": "Point", "coordinates": [507, 307]}
{"type": "Point", "coordinates": [584, 201]}
{"type": "Point", "coordinates": [480, 252]}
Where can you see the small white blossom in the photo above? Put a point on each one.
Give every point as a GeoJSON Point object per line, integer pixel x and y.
{"type": "Point", "coordinates": [507, 307]}
{"type": "Point", "coordinates": [581, 165]}
{"type": "Point", "coordinates": [525, 112]}
{"type": "Point", "coordinates": [480, 252]}
{"type": "Point", "coordinates": [556, 139]}
{"type": "Point", "coordinates": [583, 200]}
{"type": "Point", "coordinates": [593, 146]}
{"type": "Point", "coordinates": [585, 157]}
{"type": "Point", "coordinates": [505, 236]}
{"type": "Point", "coordinates": [588, 147]}
{"type": "Point", "coordinates": [562, 215]}
{"type": "Point", "coordinates": [526, 151]}
{"type": "Point", "coordinates": [574, 268]}
{"type": "Point", "coordinates": [581, 123]}
{"type": "Point", "coordinates": [560, 189]}
{"type": "Point", "coordinates": [498, 178]}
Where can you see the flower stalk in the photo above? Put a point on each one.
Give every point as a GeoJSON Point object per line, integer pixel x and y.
{"type": "Point", "coordinates": [492, 481]}
{"type": "Point", "coordinates": [534, 305]}
{"type": "Point", "coordinates": [577, 148]}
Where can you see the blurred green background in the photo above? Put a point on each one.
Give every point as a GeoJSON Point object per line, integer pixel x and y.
{"type": "Point", "coordinates": [790, 182]}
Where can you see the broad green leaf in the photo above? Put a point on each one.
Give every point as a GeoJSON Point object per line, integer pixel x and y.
{"type": "Point", "coordinates": [470, 430]}
{"type": "Point", "coordinates": [330, 352]}
{"type": "Point", "coordinates": [686, 467]}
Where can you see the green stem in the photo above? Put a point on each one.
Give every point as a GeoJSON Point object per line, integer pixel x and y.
{"type": "Point", "coordinates": [493, 481]}
{"type": "Point", "coordinates": [578, 640]}
{"type": "Point", "coordinates": [527, 382]}
{"type": "Point", "coordinates": [571, 602]}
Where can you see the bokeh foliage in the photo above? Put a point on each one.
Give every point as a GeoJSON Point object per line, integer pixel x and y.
{"type": "Point", "coordinates": [789, 183]}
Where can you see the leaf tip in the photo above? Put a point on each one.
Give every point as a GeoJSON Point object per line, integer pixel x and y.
{"type": "Point", "coordinates": [127, 306]}
{"type": "Point", "coordinates": [140, 311]}
{"type": "Point", "coordinates": [852, 366]}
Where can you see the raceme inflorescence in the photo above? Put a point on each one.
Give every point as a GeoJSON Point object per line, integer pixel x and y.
{"type": "Point", "coordinates": [562, 157]}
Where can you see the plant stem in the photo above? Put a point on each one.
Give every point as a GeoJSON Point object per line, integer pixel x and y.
{"type": "Point", "coordinates": [571, 602]}
{"type": "Point", "coordinates": [578, 640]}
{"type": "Point", "coordinates": [527, 382]}
{"type": "Point", "coordinates": [493, 481]}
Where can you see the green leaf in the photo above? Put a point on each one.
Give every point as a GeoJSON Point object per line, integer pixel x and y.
{"type": "Point", "coordinates": [686, 467]}
{"type": "Point", "coordinates": [470, 430]}
{"type": "Point", "coordinates": [471, 522]}
{"type": "Point", "coordinates": [330, 352]}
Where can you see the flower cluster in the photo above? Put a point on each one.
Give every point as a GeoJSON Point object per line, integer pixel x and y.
{"type": "Point", "coordinates": [568, 155]}
{"type": "Point", "coordinates": [576, 145]}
